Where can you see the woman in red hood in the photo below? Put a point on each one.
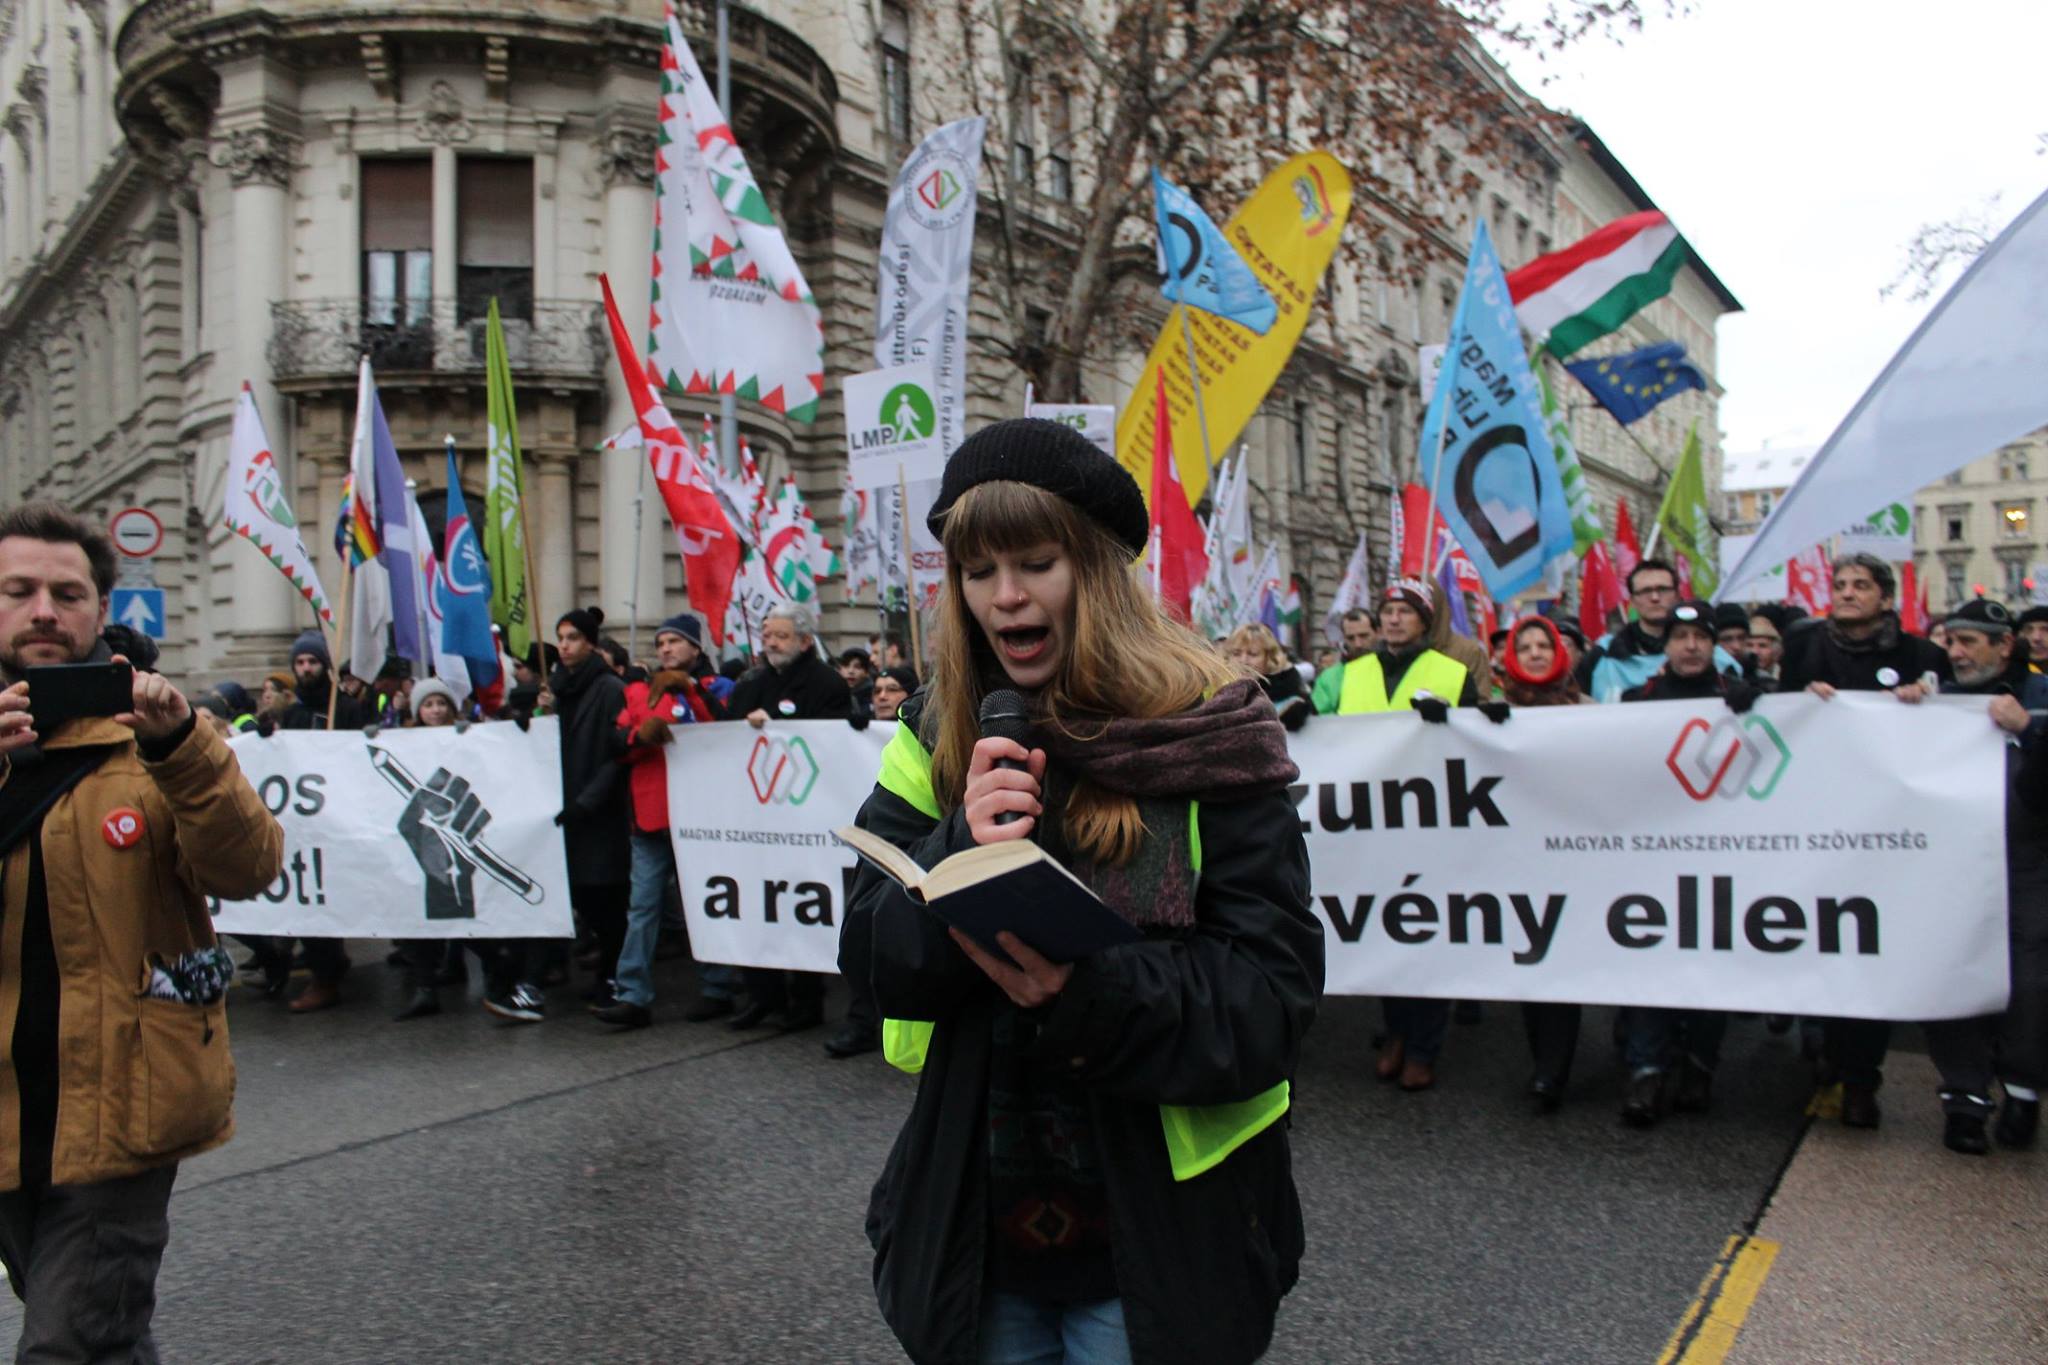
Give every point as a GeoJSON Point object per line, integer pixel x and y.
{"type": "Point", "coordinates": [1539, 673]}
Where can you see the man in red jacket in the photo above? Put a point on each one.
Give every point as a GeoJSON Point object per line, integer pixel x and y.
{"type": "Point", "coordinates": [681, 692]}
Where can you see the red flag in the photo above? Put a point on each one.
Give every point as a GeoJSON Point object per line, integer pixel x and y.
{"type": "Point", "coordinates": [1628, 551]}
{"type": "Point", "coordinates": [1809, 582]}
{"type": "Point", "coordinates": [1415, 513]}
{"type": "Point", "coordinates": [711, 550]}
{"type": "Point", "coordinates": [1600, 591]}
{"type": "Point", "coordinates": [1912, 601]}
{"type": "Point", "coordinates": [1175, 552]}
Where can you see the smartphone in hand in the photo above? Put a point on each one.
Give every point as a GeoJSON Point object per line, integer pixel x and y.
{"type": "Point", "coordinates": [61, 692]}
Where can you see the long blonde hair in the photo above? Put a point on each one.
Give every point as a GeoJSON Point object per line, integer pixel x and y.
{"type": "Point", "coordinates": [1124, 656]}
{"type": "Point", "coordinates": [1272, 657]}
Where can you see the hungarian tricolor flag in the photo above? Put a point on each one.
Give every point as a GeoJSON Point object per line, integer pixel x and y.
{"type": "Point", "coordinates": [1628, 551]}
{"type": "Point", "coordinates": [1571, 298]}
{"type": "Point", "coordinates": [711, 552]}
{"type": "Point", "coordinates": [1178, 561]}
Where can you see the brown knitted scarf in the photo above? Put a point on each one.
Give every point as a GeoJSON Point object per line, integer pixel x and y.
{"type": "Point", "coordinates": [1230, 748]}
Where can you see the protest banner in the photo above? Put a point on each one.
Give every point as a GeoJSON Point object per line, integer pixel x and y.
{"type": "Point", "coordinates": [1825, 858]}
{"type": "Point", "coordinates": [752, 812]}
{"type": "Point", "coordinates": [1096, 421]}
{"type": "Point", "coordinates": [476, 852]}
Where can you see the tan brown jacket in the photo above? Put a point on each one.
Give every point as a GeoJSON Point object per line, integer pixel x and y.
{"type": "Point", "coordinates": [141, 1082]}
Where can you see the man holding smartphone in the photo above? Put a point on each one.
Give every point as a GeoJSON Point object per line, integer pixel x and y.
{"type": "Point", "coordinates": [118, 817]}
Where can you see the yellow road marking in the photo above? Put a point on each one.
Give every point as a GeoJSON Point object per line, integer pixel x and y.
{"type": "Point", "coordinates": [1706, 1333]}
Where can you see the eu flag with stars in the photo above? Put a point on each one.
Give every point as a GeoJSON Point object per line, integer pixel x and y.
{"type": "Point", "coordinates": [1630, 385]}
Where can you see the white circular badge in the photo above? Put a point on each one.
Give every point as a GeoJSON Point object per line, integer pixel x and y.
{"type": "Point", "coordinates": [788, 707]}
{"type": "Point", "coordinates": [1887, 677]}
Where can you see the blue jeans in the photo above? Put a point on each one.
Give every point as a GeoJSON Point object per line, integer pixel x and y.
{"type": "Point", "coordinates": [654, 861]}
{"type": "Point", "coordinates": [1020, 1331]}
{"type": "Point", "coordinates": [1656, 1039]}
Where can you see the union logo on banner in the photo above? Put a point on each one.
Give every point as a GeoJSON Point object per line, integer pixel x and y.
{"type": "Point", "coordinates": [1741, 755]}
{"type": "Point", "coordinates": [781, 771]}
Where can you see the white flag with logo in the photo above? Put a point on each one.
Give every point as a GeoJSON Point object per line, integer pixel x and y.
{"type": "Point", "coordinates": [255, 507]}
{"type": "Point", "coordinates": [926, 266]}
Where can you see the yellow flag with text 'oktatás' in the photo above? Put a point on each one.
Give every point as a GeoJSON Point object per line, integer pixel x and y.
{"type": "Point", "coordinates": [1287, 232]}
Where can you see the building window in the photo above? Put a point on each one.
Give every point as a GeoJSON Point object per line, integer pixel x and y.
{"type": "Point", "coordinates": [494, 237]}
{"type": "Point", "coordinates": [1302, 447]}
{"type": "Point", "coordinates": [2015, 577]}
{"type": "Point", "coordinates": [896, 71]}
{"type": "Point", "coordinates": [398, 241]}
{"type": "Point", "coordinates": [2012, 466]}
{"type": "Point", "coordinates": [1954, 574]}
{"type": "Point", "coordinates": [1059, 152]}
{"type": "Point", "coordinates": [1763, 504]}
{"type": "Point", "coordinates": [1734, 510]}
{"type": "Point", "coordinates": [1023, 124]}
{"type": "Point", "coordinates": [1956, 477]}
{"type": "Point", "coordinates": [2013, 517]}
{"type": "Point", "coordinates": [1448, 293]}
{"type": "Point", "coordinates": [1953, 528]}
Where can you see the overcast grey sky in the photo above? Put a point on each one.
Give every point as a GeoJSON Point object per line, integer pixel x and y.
{"type": "Point", "coordinates": [1799, 144]}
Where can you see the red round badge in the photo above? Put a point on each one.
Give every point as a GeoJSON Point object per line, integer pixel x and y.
{"type": "Point", "coordinates": [123, 827]}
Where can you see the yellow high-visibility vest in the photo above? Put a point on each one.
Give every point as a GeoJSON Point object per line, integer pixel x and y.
{"type": "Point", "coordinates": [1365, 683]}
{"type": "Point", "coordinates": [1198, 1137]}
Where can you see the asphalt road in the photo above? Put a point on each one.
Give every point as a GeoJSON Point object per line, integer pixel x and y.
{"type": "Point", "coordinates": [456, 1189]}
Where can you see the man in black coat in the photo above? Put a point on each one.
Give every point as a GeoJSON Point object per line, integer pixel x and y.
{"type": "Point", "coordinates": [796, 684]}
{"type": "Point", "coordinates": [2010, 1046]}
{"type": "Point", "coordinates": [1860, 647]}
{"type": "Point", "coordinates": [313, 683]}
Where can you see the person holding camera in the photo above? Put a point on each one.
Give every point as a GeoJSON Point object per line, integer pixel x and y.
{"type": "Point", "coordinates": [119, 816]}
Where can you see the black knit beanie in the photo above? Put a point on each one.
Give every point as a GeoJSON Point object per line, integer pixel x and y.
{"type": "Point", "coordinates": [588, 621]}
{"type": "Point", "coordinates": [1052, 456]}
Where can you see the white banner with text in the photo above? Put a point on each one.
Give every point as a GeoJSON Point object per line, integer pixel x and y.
{"type": "Point", "coordinates": [420, 833]}
{"type": "Point", "coordinates": [1818, 858]}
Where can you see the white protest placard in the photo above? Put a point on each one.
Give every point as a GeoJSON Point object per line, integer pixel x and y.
{"type": "Point", "coordinates": [1886, 533]}
{"type": "Point", "coordinates": [1429, 364]}
{"type": "Point", "coordinates": [1096, 421]}
{"type": "Point", "coordinates": [1843, 858]}
{"type": "Point", "coordinates": [420, 833]}
{"type": "Point", "coordinates": [892, 426]}
{"type": "Point", "coordinates": [752, 812]}
{"type": "Point", "coordinates": [1826, 858]}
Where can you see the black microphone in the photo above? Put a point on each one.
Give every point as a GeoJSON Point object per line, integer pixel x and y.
{"type": "Point", "coordinates": [1005, 716]}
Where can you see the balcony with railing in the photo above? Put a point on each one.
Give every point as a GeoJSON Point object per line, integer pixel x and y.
{"type": "Point", "coordinates": [322, 340]}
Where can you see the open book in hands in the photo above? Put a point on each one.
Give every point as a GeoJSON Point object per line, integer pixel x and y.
{"type": "Point", "coordinates": [1015, 886]}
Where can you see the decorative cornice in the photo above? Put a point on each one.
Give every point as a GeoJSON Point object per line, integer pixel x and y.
{"type": "Point", "coordinates": [181, 113]}
{"type": "Point", "coordinates": [261, 154]}
{"type": "Point", "coordinates": [497, 66]}
{"type": "Point", "coordinates": [377, 66]}
{"type": "Point", "coordinates": [443, 122]}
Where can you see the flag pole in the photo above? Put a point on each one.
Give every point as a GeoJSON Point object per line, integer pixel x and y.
{"type": "Point", "coordinates": [1187, 332]}
{"type": "Point", "coordinates": [540, 653]}
{"type": "Point", "coordinates": [348, 593]}
{"type": "Point", "coordinates": [728, 409]}
{"type": "Point", "coordinates": [633, 606]}
{"type": "Point", "coordinates": [909, 575]}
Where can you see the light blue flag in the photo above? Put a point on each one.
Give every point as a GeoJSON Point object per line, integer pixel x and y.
{"type": "Point", "coordinates": [462, 589]}
{"type": "Point", "coordinates": [1496, 483]}
{"type": "Point", "coordinates": [1202, 268]}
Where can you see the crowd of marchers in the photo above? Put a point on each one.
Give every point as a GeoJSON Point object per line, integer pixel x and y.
{"type": "Point", "coordinates": [617, 714]}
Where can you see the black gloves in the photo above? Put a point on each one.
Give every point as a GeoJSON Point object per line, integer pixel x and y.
{"type": "Point", "coordinates": [858, 720]}
{"type": "Point", "coordinates": [1434, 710]}
{"type": "Point", "coordinates": [1495, 711]}
{"type": "Point", "coordinates": [1739, 695]}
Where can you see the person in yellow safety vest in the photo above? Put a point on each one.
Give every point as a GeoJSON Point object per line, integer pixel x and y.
{"type": "Point", "coordinates": [1096, 1166]}
{"type": "Point", "coordinates": [1403, 665]}
{"type": "Point", "coordinates": [1393, 677]}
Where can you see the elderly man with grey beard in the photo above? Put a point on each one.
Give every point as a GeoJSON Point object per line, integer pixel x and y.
{"type": "Point", "coordinates": [795, 683]}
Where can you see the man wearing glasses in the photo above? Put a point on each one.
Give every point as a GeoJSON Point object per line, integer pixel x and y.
{"type": "Point", "coordinates": [1631, 656]}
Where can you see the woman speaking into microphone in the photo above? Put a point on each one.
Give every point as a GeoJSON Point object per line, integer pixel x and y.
{"type": "Point", "coordinates": [1096, 1167]}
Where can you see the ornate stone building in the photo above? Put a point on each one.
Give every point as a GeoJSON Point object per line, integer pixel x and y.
{"type": "Point", "coordinates": [194, 193]}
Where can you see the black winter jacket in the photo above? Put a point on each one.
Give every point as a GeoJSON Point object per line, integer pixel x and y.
{"type": "Point", "coordinates": [308, 710]}
{"type": "Point", "coordinates": [812, 687]}
{"type": "Point", "coordinates": [1813, 654]}
{"type": "Point", "coordinates": [596, 804]}
{"type": "Point", "coordinates": [1209, 1015]}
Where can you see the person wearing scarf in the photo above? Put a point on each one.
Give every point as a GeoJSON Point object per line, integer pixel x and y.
{"type": "Point", "coordinates": [1096, 1166]}
{"type": "Point", "coordinates": [1537, 671]}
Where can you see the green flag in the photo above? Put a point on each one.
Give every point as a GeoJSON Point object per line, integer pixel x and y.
{"type": "Point", "coordinates": [1578, 495]}
{"type": "Point", "coordinates": [1684, 517]}
{"type": "Point", "coordinates": [504, 530]}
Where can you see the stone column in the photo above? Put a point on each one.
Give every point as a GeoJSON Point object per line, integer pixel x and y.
{"type": "Point", "coordinates": [552, 521]}
{"type": "Point", "coordinates": [444, 230]}
{"type": "Point", "coordinates": [625, 156]}
{"type": "Point", "coordinates": [258, 153]}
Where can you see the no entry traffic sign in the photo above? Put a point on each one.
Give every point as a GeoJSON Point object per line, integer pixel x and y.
{"type": "Point", "coordinates": [137, 533]}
